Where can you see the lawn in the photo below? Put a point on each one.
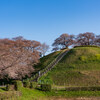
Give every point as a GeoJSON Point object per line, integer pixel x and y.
{"type": "Point", "coordinates": [34, 94]}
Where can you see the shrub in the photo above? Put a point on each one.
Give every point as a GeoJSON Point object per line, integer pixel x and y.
{"type": "Point", "coordinates": [98, 56]}
{"type": "Point", "coordinates": [45, 87]}
{"type": "Point", "coordinates": [7, 87]}
{"type": "Point", "coordinates": [18, 85]}
{"type": "Point", "coordinates": [83, 58]}
{"type": "Point", "coordinates": [26, 84]}
{"type": "Point", "coordinates": [10, 87]}
{"type": "Point", "coordinates": [33, 84]}
{"type": "Point", "coordinates": [9, 95]}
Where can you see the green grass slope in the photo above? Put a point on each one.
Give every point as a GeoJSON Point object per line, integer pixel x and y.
{"type": "Point", "coordinates": [80, 67]}
{"type": "Point", "coordinates": [44, 61]}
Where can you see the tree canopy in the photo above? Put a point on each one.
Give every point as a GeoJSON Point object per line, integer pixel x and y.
{"type": "Point", "coordinates": [65, 40]}
{"type": "Point", "coordinates": [17, 57]}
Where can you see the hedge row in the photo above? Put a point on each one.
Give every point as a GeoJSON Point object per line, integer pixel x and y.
{"type": "Point", "coordinates": [83, 88]}
{"type": "Point", "coordinates": [33, 85]}
{"type": "Point", "coordinates": [26, 84]}
{"type": "Point", "coordinates": [10, 87]}
{"type": "Point", "coordinates": [87, 46]}
{"type": "Point", "coordinates": [29, 84]}
{"type": "Point", "coordinates": [47, 87]}
{"type": "Point", "coordinates": [17, 85]}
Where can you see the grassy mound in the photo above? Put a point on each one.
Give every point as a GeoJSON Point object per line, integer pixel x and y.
{"type": "Point", "coordinates": [44, 61]}
{"type": "Point", "coordinates": [80, 67]}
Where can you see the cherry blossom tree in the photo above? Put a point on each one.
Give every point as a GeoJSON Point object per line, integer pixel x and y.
{"type": "Point", "coordinates": [44, 48]}
{"type": "Point", "coordinates": [17, 57]}
{"type": "Point", "coordinates": [87, 38]}
{"type": "Point", "coordinates": [64, 41]}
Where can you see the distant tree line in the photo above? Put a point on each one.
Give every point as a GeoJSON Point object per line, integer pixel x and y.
{"type": "Point", "coordinates": [65, 40]}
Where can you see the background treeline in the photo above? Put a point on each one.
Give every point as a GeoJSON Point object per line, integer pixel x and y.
{"type": "Point", "coordinates": [82, 39]}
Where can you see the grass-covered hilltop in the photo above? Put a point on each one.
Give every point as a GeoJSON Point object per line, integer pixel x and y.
{"type": "Point", "coordinates": [79, 67]}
